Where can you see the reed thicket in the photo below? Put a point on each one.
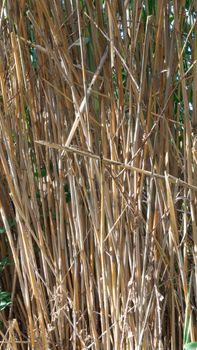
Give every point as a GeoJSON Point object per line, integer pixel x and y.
{"type": "Point", "coordinates": [98, 167]}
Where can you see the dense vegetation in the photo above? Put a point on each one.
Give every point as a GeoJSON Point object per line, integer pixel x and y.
{"type": "Point", "coordinates": [98, 174]}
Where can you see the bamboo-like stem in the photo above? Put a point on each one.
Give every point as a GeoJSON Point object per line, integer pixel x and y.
{"type": "Point", "coordinates": [98, 161]}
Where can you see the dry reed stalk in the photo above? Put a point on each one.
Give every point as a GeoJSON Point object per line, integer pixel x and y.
{"type": "Point", "coordinates": [98, 169]}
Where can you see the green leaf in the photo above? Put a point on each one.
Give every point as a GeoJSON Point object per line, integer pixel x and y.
{"type": "Point", "coordinates": [186, 327]}
{"type": "Point", "coordinates": [54, 216]}
{"type": "Point", "coordinates": [38, 195]}
{"type": "Point", "coordinates": [151, 6]}
{"type": "Point", "coordinates": [144, 15]}
{"type": "Point", "coordinates": [36, 173]}
{"type": "Point", "coordinates": [4, 304]}
{"type": "Point", "coordinates": [27, 117]}
{"type": "Point", "coordinates": [5, 299]}
{"type": "Point", "coordinates": [190, 346]}
{"type": "Point", "coordinates": [4, 262]}
{"type": "Point", "coordinates": [186, 330]}
{"type": "Point", "coordinates": [43, 172]}
{"type": "Point", "coordinates": [2, 230]}
{"type": "Point", "coordinates": [67, 193]}
{"type": "Point", "coordinates": [11, 223]}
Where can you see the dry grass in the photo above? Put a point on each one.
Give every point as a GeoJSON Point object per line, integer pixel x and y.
{"type": "Point", "coordinates": [98, 162]}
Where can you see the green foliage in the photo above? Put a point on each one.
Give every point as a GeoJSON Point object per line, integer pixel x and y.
{"type": "Point", "coordinates": [12, 223]}
{"type": "Point", "coordinates": [5, 299]}
{"type": "Point", "coordinates": [190, 346]}
{"type": "Point", "coordinates": [41, 173]}
{"type": "Point", "coordinates": [144, 15]}
{"type": "Point", "coordinates": [115, 84]}
{"type": "Point", "coordinates": [38, 195]}
{"type": "Point", "coordinates": [4, 262]}
{"type": "Point", "coordinates": [36, 249]}
{"type": "Point", "coordinates": [27, 117]}
{"type": "Point", "coordinates": [186, 333]}
{"type": "Point", "coordinates": [54, 216]}
{"type": "Point", "coordinates": [151, 7]}
{"type": "Point", "coordinates": [124, 78]}
{"type": "Point", "coordinates": [1, 326]}
{"type": "Point", "coordinates": [31, 38]}
{"type": "Point", "coordinates": [67, 193]}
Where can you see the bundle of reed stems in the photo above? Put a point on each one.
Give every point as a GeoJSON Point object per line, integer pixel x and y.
{"type": "Point", "coordinates": [98, 164]}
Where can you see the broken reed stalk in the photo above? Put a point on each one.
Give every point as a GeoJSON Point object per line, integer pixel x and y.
{"type": "Point", "coordinates": [98, 174]}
